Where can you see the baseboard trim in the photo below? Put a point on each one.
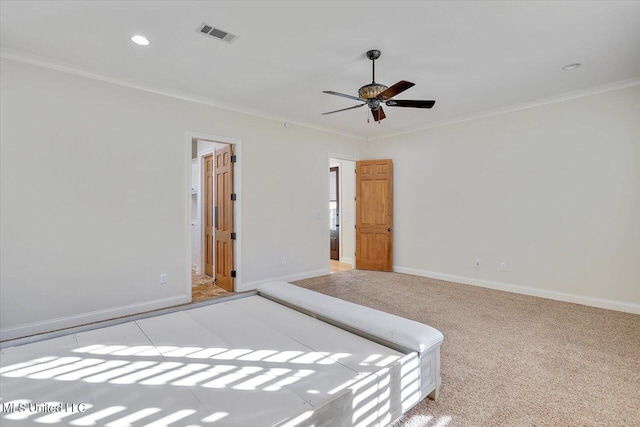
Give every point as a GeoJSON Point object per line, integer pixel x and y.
{"type": "Point", "coordinates": [347, 260]}
{"type": "Point", "coordinates": [90, 317]}
{"type": "Point", "coordinates": [250, 286]}
{"type": "Point", "coordinates": [524, 290]}
{"type": "Point", "coordinates": [119, 321]}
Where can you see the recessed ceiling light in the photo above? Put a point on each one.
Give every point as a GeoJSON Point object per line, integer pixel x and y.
{"type": "Point", "coordinates": [141, 40]}
{"type": "Point", "coordinates": [571, 66]}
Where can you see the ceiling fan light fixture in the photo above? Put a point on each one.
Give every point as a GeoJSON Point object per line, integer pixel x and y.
{"type": "Point", "coordinates": [371, 91]}
{"type": "Point", "coordinates": [140, 40]}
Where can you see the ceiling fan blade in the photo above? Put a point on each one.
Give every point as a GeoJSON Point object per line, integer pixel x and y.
{"type": "Point", "coordinates": [410, 103]}
{"type": "Point", "coordinates": [397, 88]}
{"type": "Point", "coordinates": [378, 114]}
{"type": "Point", "coordinates": [344, 109]}
{"type": "Point", "coordinates": [330, 92]}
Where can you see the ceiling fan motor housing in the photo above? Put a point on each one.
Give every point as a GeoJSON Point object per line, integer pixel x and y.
{"type": "Point", "coordinates": [373, 54]}
{"type": "Point", "coordinates": [371, 91]}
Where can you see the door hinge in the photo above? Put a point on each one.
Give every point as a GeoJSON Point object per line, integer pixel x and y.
{"type": "Point", "coordinates": [234, 159]}
{"type": "Point", "coordinates": [233, 196]}
{"type": "Point", "coordinates": [233, 236]}
{"type": "Point", "coordinates": [233, 273]}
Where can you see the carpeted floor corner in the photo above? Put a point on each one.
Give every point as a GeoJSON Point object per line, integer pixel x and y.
{"type": "Point", "coordinates": [510, 359]}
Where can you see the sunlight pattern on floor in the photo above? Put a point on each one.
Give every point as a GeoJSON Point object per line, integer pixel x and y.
{"type": "Point", "coordinates": [129, 375]}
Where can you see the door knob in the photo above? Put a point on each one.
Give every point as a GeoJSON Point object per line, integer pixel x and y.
{"type": "Point", "coordinates": [388, 229]}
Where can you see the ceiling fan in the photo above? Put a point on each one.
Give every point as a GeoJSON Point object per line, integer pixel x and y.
{"type": "Point", "coordinates": [375, 94]}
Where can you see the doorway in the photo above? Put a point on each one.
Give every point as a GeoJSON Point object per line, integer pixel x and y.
{"type": "Point", "coordinates": [341, 214]}
{"type": "Point", "coordinates": [334, 213]}
{"type": "Point", "coordinates": [214, 206]}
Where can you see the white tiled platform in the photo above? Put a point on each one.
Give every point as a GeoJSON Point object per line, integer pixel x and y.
{"type": "Point", "coordinates": [248, 362]}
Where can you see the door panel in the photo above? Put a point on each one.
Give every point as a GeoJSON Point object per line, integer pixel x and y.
{"type": "Point", "coordinates": [224, 220]}
{"type": "Point", "coordinates": [374, 215]}
{"type": "Point", "coordinates": [209, 231]}
{"type": "Point", "coordinates": [334, 211]}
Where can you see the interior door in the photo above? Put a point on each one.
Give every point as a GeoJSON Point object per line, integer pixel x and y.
{"type": "Point", "coordinates": [334, 214]}
{"type": "Point", "coordinates": [224, 218]}
{"type": "Point", "coordinates": [374, 215]}
{"type": "Point", "coordinates": [209, 226]}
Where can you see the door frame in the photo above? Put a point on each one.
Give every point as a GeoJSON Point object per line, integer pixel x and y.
{"type": "Point", "coordinates": [341, 177]}
{"type": "Point", "coordinates": [237, 217]}
{"type": "Point", "coordinates": [338, 170]}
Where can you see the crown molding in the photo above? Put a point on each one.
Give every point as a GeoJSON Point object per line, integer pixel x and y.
{"type": "Point", "coordinates": [58, 66]}
{"type": "Point", "coordinates": [622, 84]}
{"type": "Point", "coordinates": [26, 58]}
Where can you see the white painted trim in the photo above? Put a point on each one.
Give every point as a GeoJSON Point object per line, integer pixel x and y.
{"type": "Point", "coordinates": [187, 187]}
{"type": "Point", "coordinates": [346, 260]}
{"type": "Point", "coordinates": [213, 138]}
{"type": "Point", "coordinates": [237, 211]}
{"type": "Point", "coordinates": [249, 286]}
{"type": "Point", "coordinates": [196, 162]}
{"type": "Point", "coordinates": [90, 317]}
{"type": "Point", "coordinates": [26, 58]}
{"type": "Point", "coordinates": [517, 107]}
{"type": "Point", "coordinates": [340, 207]}
{"type": "Point", "coordinates": [336, 156]}
{"type": "Point", "coordinates": [524, 290]}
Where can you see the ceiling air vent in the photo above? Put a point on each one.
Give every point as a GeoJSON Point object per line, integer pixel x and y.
{"type": "Point", "coordinates": [216, 33]}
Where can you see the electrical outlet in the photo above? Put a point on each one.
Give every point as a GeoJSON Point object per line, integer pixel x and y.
{"type": "Point", "coordinates": [503, 266]}
{"type": "Point", "coordinates": [163, 279]}
{"type": "Point", "coordinates": [477, 263]}
{"type": "Point", "coordinates": [284, 260]}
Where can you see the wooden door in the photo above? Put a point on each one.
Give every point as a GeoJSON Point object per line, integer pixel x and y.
{"type": "Point", "coordinates": [209, 226]}
{"type": "Point", "coordinates": [224, 218]}
{"type": "Point", "coordinates": [374, 215]}
{"type": "Point", "coordinates": [334, 213]}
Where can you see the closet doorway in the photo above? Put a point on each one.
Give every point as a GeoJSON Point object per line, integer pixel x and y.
{"type": "Point", "coordinates": [341, 214]}
{"type": "Point", "coordinates": [212, 210]}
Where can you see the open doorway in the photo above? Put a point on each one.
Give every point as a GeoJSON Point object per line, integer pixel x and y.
{"type": "Point", "coordinates": [212, 200]}
{"type": "Point", "coordinates": [341, 214]}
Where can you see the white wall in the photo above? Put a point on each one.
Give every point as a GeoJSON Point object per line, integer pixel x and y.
{"type": "Point", "coordinates": [553, 191]}
{"type": "Point", "coordinates": [94, 182]}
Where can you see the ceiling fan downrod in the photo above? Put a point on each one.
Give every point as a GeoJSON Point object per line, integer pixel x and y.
{"type": "Point", "coordinates": [373, 55]}
{"type": "Point", "coordinates": [371, 91]}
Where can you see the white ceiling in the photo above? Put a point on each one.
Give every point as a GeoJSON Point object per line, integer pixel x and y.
{"type": "Point", "coordinates": [470, 57]}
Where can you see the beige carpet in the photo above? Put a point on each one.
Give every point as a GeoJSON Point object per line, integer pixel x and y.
{"type": "Point", "coordinates": [509, 359]}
